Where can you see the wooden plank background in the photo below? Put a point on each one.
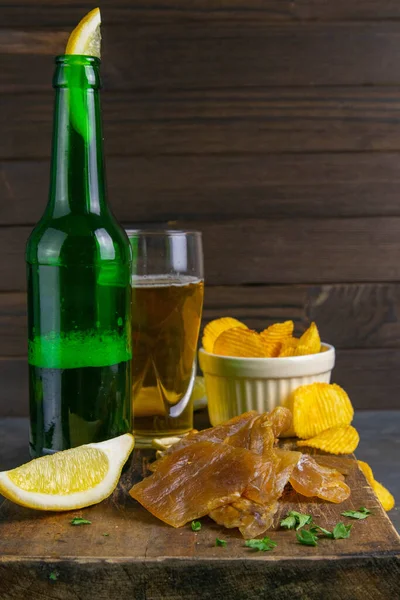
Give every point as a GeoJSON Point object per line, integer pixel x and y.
{"type": "Point", "coordinates": [271, 125]}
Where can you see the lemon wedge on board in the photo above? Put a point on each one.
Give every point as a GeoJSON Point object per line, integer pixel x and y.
{"type": "Point", "coordinates": [70, 479]}
{"type": "Point", "coordinates": [86, 37]}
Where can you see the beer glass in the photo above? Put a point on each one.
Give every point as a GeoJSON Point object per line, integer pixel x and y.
{"type": "Point", "coordinates": [167, 300]}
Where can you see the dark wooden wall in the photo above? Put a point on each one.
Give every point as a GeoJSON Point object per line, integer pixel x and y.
{"type": "Point", "coordinates": [271, 125]}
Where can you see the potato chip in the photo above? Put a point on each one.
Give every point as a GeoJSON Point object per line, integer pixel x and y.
{"type": "Point", "coordinates": [311, 340]}
{"type": "Point", "coordinates": [272, 349]}
{"type": "Point", "coordinates": [278, 332]}
{"type": "Point", "coordinates": [319, 406]}
{"type": "Point", "coordinates": [287, 351]}
{"type": "Point", "coordinates": [288, 347]}
{"type": "Point", "coordinates": [307, 344]}
{"type": "Point", "coordinates": [239, 342]}
{"type": "Point", "coordinates": [336, 440]}
{"type": "Point", "coordinates": [384, 496]}
{"type": "Point", "coordinates": [366, 469]}
{"type": "Point", "coordinates": [301, 350]}
{"type": "Point", "coordinates": [290, 342]}
{"type": "Point", "coordinates": [213, 329]}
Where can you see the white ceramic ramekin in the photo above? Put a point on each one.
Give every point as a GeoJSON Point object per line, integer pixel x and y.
{"type": "Point", "coordinates": [236, 385]}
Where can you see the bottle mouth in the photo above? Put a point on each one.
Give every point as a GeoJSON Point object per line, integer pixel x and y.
{"type": "Point", "coordinates": [77, 59]}
{"type": "Point", "coordinates": [77, 71]}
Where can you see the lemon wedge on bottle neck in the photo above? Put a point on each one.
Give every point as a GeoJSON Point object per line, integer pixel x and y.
{"type": "Point", "coordinates": [70, 479]}
{"type": "Point", "coordinates": [86, 37]}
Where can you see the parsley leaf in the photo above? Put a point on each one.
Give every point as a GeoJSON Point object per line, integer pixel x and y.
{"type": "Point", "coordinates": [294, 518]}
{"type": "Point", "coordinates": [219, 542]}
{"type": "Point", "coordinates": [106, 534]}
{"type": "Point", "coordinates": [307, 538]}
{"type": "Point", "coordinates": [261, 545]}
{"type": "Point", "coordinates": [196, 525]}
{"type": "Point", "coordinates": [79, 521]}
{"type": "Point", "coordinates": [289, 522]}
{"type": "Point", "coordinates": [317, 529]}
{"type": "Point", "coordinates": [341, 531]}
{"type": "Point", "coordinates": [301, 519]}
{"type": "Point", "coordinates": [54, 575]}
{"type": "Point", "coordinates": [361, 513]}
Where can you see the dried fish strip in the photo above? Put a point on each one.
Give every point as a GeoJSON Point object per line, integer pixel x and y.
{"type": "Point", "coordinates": [235, 474]}
{"type": "Point", "coordinates": [311, 479]}
{"type": "Point", "coordinates": [193, 481]}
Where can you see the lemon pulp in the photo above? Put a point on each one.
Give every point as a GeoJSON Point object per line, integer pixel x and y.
{"type": "Point", "coordinates": [62, 473]}
{"type": "Point", "coordinates": [86, 37]}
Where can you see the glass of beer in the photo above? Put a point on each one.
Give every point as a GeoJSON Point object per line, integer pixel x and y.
{"type": "Point", "coordinates": [167, 301]}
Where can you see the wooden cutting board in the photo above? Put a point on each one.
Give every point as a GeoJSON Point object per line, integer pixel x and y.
{"type": "Point", "coordinates": [126, 553]}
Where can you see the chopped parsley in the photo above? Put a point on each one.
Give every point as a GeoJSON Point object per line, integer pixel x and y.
{"type": "Point", "coordinates": [219, 542]}
{"type": "Point", "coordinates": [316, 529]}
{"type": "Point", "coordinates": [261, 545]}
{"type": "Point", "coordinates": [79, 521]}
{"type": "Point", "coordinates": [306, 537]}
{"type": "Point", "coordinates": [361, 513]}
{"type": "Point", "coordinates": [296, 520]}
{"type": "Point", "coordinates": [341, 531]}
{"type": "Point", "coordinates": [54, 575]}
{"type": "Point", "coordinates": [309, 537]}
{"type": "Point", "coordinates": [196, 525]}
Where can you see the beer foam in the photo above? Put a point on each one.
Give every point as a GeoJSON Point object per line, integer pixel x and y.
{"type": "Point", "coordinates": [163, 280]}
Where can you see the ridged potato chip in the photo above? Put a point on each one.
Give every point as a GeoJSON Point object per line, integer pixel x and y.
{"type": "Point", "coordinates": [384, 496]}
{"type": "Point", "coordinates": [213, 329]}
{"type": "Point", "coordinates": [319, 406]}
{"type": "Point", "coordinates": [240, 342]}
{"type": "Point", "coordinates": [366, 469]}
{"type": "Point", "coordinates": [301, 350]}
{"type": "Point", "coordinates": [337, 440]}
{"type": "Point", "coordinates": [277, 339]}
{"type": "Point", "coordinates": [287, 351]}
{"type": "Point", "coordinates": [309, 343]}
{"type": "Point", "coordinates": [271, 349]}
{"type": "Point", "coordinates": [278, 332]}
{"type": "Point", "coordinates": [311, 340]}
{"type": "Point", "coordinates": [288, 347]}
{"type": "Point", "coordinates": [290, 342]}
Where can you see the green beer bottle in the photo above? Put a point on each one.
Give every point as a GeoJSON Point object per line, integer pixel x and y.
{"type": "Point", "coordinates": [78, 270]}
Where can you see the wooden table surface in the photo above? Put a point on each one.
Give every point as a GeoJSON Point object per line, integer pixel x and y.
{"type": "Point", "coordinates": [141, 558]}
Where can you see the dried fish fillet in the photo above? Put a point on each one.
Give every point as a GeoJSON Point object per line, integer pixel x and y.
{"type": "Point", "coordinates": [311, 479]}
{"type": "Point", "coordinates": [259, 432]}
{"type": "Point", "coordinates": [234, 427]}
{"type": "Point", "coordinates": [195, 480]}
{"type": "Point", "coordinates": [256, 435]}
{"type": "Point", "coordinates": [251, 518]}
{"type": "Point", "coordinates": [235, 474]}
{"type": "Point", "coordinates": [268, 486]}
{"type": "Point", "coordinates": [254, 512]}
{"type": "Point", "coordinates": [236, 432]}
{"type": "Point", "coordinates": [288, 461]}
{"type": "Point", "coordinates": [249, 430]}
{"type": "Point", "coordinates": [281, 420]}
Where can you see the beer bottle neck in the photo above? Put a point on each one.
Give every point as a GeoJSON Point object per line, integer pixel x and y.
{"type": "Point", "coordinates": [77, 180]}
